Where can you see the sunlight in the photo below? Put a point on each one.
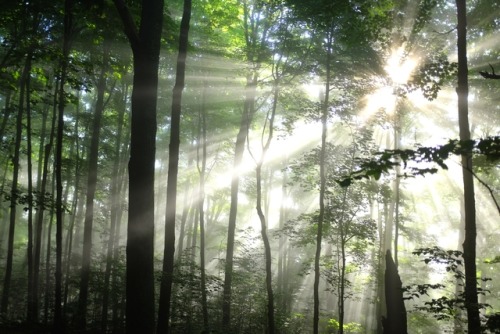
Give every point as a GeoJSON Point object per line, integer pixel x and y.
{"type": "Point", "coordinates": [382, 99]}
{"type": "Point", "coordinates": [399, 67]}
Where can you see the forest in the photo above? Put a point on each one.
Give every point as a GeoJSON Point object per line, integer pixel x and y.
{"type": "Point", "coordinates": [250, 166]}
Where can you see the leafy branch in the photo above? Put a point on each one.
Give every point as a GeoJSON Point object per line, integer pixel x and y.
{"type": "Point", "coordinates": [384, 161]}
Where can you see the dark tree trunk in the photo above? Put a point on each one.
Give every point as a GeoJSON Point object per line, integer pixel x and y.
{"type": "Point", "coordinates": [68, 26]}
{"type": "Point", "coordinates": [48, 285]}
{"type": "Point", "coordinates": [14, 195]}
{"type": "Point", "coordinates": [6, 114]}
{"type": "Point", "coordinates": [145, 43]}
{"type": "Point", "coordinates": [43, 170]}
{"type": "Point", "coordinates": [471, 299]}
{"type": "Point", "coordinates": [395, 322]}
{"type": "Point", "coordinates": [173, 167]}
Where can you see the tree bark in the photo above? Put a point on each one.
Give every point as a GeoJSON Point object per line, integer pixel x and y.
{"type": "Point", "coordinates": [68, 26]}
{"type": "Point", "coordinates": [396, 321]}
{"type": "Point", "coordinates": [469, 245]}
{"type": "Point", "coordinates": [173, 168]}
{"type": "Point", "coordinates": [145, 44]}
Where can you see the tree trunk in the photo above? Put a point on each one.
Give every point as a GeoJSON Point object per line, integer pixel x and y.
{"type": "Point", "coordinates": [239, 147]}
{"type": "Point", "coordinates": [262, 217]}
{"type": "Point", "coordinates": [173, 167]}
{"type": "Point", "coordinates": [68, 26]}
{"type": "Point", "coordinates": [31, 298]}
{"type": "Point", "coordinates": [185, 211]}
{"type": "Point", "coordinates": [43, 168]}
{"type": "Point", "coordinates": [396, 321]}
{"type": "Point", "coordinates": [282, 244]}
{"type": "Point", "coordinates": [255, 36]}
{"type": "Point", "coordinates": [471, 299]}
{"type": "Point", "coordinates": [91, 189]}
{"type": "Point", "coordinates": [114, 204]}
{"type": "Point", "coordinates": [202, 140]}
{"type": "Point", "coordinates": [14, 195]}
{"type": "Point", "coordinates": [322, 172]}
{"type": "Point", "coordinates": [48, 254]}
{"type": "Point", "coordinates": [145, 43]}
{"type": "Point", "coordinates": [6, 114]}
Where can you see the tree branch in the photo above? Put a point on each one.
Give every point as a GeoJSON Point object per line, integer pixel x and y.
{"type": "Point", "coordinates": [487, 187]}
{"type": "Point", "coordinates": [129, 26]}
{"type": "Point", "coordinates": [489, 75]}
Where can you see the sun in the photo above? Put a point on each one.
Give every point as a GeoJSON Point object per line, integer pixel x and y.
{"type": "Point", "coordinates": [399, 66]}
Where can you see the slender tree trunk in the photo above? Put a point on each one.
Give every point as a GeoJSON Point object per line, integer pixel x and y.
{"type": "Point", "coordinates": [341, 297]}
{"type": "Point", "coordinates": [471, 298]}
{"type": "Point", "coordinates": [255, 36]}
{"type": "Point", "coordinates": [31, 298]}
{"type": "Point", "coordinates": [48, 271]}
{"type": "Point", "coordinates": [39, 223]}
{"type": "Point", "coordinates": [68, 26]}
{"type": "Point", "coordinates": [43, 166]}
{"type": "Point", "coordinates": [184, 216]}
{"type": "Point", "coordinates": [267, 252]}
{"type": "Point", "coordinates": [322, 172]}
{"type": "Point", "coordinates": [114, 204]}
{"type": "Point", "coordinates": [397, 190]}
{"type": "Point", "coordinates": [7, 109]}
{"type": "Point", "coordinates": [202, 140]}
{"type": "Point", "coordinates": [74, 208]}
{"type": "Point", "coordinates": [282, 245]}
{"type": "Point", "coordinates": [173, 167]}
{"type": "Point", "coordinates": [14, 194]}
{"type": "Point", "coordinates": [258, 175]}
{"type": "Point", "coordinates": [91, 189]}
{"type": "Point", "coordinates": [246, 119]}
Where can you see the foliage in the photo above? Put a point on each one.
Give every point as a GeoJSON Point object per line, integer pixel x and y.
{"type": "Point", "coordinates": [389, 159]}
{"type": "Point", "coordinates": [430, 77]}
{"type": "Point", "coordinates": [349, 328]}
{"type": "Point", "coordinates": [36, 200]}
{"type": "Point", "coordinates": [445, 307]}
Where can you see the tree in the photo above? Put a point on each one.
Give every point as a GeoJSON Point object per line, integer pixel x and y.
{"type": "Point", "coordinates": [469, 245]}
{"type": "Point", "coordinates": [67, 37]}
{"type": "Point", "coordinates": [256, 23]}
{"type": "Point", "coordinates": [173, 166]}
{"type": "Point", "coordinates": [91, 188]}
{"type": "Point", "coordinates": [396, 322]}
{"type": "Point", "coordinates": [145, 45]}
